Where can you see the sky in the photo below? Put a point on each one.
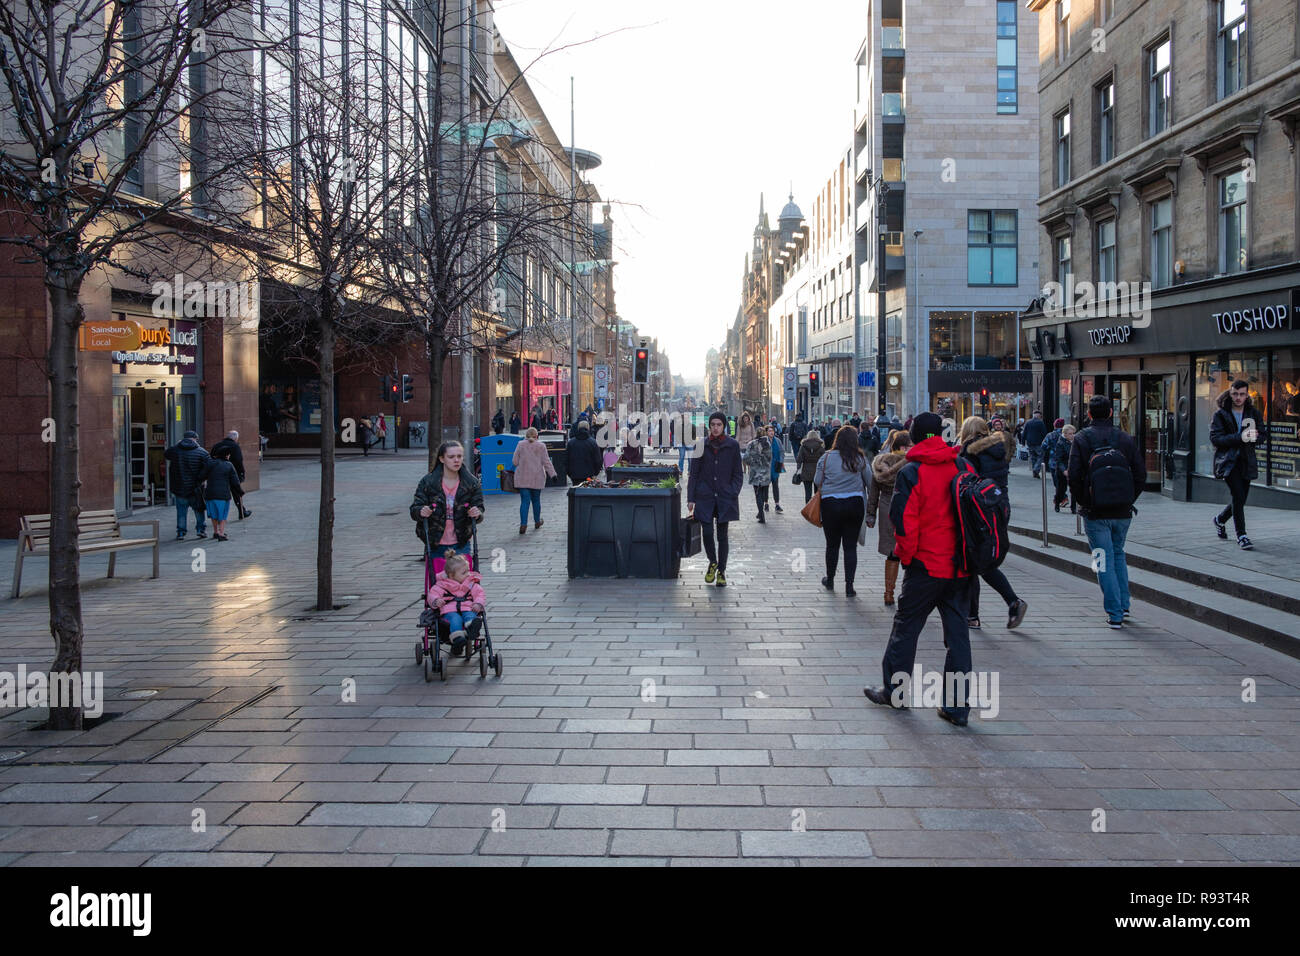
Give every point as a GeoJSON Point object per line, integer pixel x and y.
{"type": "Point", "coordinates": [696, 107]}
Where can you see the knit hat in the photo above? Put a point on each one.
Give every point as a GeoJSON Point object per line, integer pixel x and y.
{"type": "Point", "coordinates": [718, 416]}
{"type": "Point", "coordinates": [926, 425]}
{"type": "Point", "coordinates": [1059, 423]}
{"type": "Point", "coordinates": [190, 434]}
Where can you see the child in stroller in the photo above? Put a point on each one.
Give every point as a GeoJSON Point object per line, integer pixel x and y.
{"type": "Point", "coordinates": [457, 594]}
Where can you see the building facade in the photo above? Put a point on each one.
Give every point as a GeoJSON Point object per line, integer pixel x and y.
{"type": "Point", "coordinates": [1168, 199]}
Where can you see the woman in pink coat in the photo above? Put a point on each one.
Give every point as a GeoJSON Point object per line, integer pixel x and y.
{"type": "Point", "coordinates": [532, 467]}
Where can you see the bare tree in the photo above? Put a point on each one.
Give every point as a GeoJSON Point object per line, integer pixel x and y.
{"type": "Point", "coordinates": [99, 94]}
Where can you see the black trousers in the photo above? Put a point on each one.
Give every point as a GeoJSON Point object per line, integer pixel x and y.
{"type": "Point", "coordinates": [807, 491]}
{"type": "Point", "coordinates": [841, 521]}
{"type": "Point", "coordinates": [1062, 486]}
{"type": "Point", "coordinates": [760, 496]}
{"type": "Point", "coordinates": [922, 594]}
{"type": "Point", "coordinates": [717, 553]}
{"type": "Point", "coordinates": [1239, 487]}
{"type": "Point", "coordinates": [776, 488]}
{"type": "Point", "coordinates": [996, 580]}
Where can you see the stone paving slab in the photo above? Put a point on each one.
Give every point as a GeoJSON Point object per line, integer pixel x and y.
{"type": "Point", "coordinates": [638, 723]}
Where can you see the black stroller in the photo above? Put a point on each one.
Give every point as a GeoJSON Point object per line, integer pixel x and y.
{"type": "Point", "coordinates": [428, 651]}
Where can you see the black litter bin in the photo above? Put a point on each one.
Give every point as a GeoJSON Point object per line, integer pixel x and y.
{"type": "Point", "coordinates": [624, 533]}
{"type": "Point", "coordinates": [650, 474]}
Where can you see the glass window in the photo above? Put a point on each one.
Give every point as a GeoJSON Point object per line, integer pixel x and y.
{"type": "Point", "coordinates": [1214, 373]}
{"type": "Point", "coordinates": [991, 248]}
{"type": "Point", "coordinates": [1284, 420]}
{"type": "Point", "coordinates": [1062, 258]}
{"type": "Point", "coordinates": [1004, 247]}
{"type": "Point", "coordinates": [1162, 230]}
{"type": "Point", "coordinates": [1232, 46]}
{"type": "Point", "coordinates": [1063, 148]}
{"type": "Point", "coordinates": [1106, 271]}
{"type": "Point", "coordinates": [995, 340]}
{"type": "Point", "coordinates": [1232, 222]}
{"type": "Point", "coordinates": [1062, 29]}
{"type": "Point", "coordinates": [1160, 87]}
{"type": "Point", "coordinates": [1006, 50]}
{"type": "Point", "coordinates": [950, 340]}
{"type": "Point", "coordinates": [1106, 122]}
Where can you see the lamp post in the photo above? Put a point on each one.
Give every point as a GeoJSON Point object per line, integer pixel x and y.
{"type": "Point", "coordinates": [921, 339]}
{"type": "Point", "coordinates": [881, 189]}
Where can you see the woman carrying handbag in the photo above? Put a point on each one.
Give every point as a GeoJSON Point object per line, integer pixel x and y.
{"type": "Point", "coordinates": [841, 482]}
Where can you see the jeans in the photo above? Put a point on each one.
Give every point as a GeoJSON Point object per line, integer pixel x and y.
{"type": "Point", "coordinates": [841, 521]}
{"type": "Point", "coordinates": [183, 506]}
{"type": "Point", "coordinates": [1239, 488]}
{"type": "Point", "coordinates": [716, 555]}
{"type": "Point", "coordinates": [1106, 539]}
{"type": "Point", "coordinates": [921, 594]}
{"type": "Point", "coordinates": [1035, 455]}
{"type": "Point", "coordinates": [530, 496]}
{"type": "Point", "coordinates": [459, 620]}
{"type": "Point", "coordinates": [998, 582]}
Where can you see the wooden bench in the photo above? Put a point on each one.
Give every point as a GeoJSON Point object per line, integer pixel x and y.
{"type": "Point", "coordinates": [99, 531]}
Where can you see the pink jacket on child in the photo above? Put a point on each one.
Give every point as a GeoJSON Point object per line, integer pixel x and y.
{"type": "Point", "coordinates": [460, 594]}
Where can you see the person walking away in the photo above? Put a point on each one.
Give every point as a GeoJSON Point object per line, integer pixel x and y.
{"type": "Point", "coordinates": [457, 594]}
{"type": "Point", "coordinates": [1047, 452]}
{"type": "Point", "coordinates": [1035, 432]}
{"type": "Point", "coordinates": [1234, 431]}
{"type": "Point", "coordinates": [713, 494]}
{"type": "Point", "coordinates": [758, 459]}
{"type": "Point", "coordinates": [924, 514]}
{"type": "Point", "coordinates": [1059, 463]}
{"type": "Point", "coordinates": [450, 500]}
{"type": "Point", "coordinates": [868, 440]}
{"type": "Point", "coordinates": [532, 464]}
{"type": "Point", "coordinates": [499, 421]}
{"type": "Point", "coordinates": [583, 458]}
{"type": "Point", "coordinates": [367, 435]}
{"type": "Point", "coordinates": [810, 452]}
{"type": "Point", "coordinates": [989, 453]}
{"type": "Point", "coordinates": [228, 447]}
{"type": "Point", "coordinates": [778, 465]}
{"type": "Point", "coordinates": [1106, 476]}
{"type": "Point", "coordinates": [381, 431]}
{"type": "Point", "coordinates": [884, 472]}
{"type": "Point", "coordinates": [553, 419]}
{"type": "Point", "coordinates": [745, 430]}
{"type": "Point", "coordinates": [221, 482]}
{"type": "Point", "coordinates": [185, 463]}
{"type": "Point", "coordinates": [841, 477]}
{"type": "Point", "coordinates": [797, 432]}
{"type": "Point", "coordinates": [515, 423]}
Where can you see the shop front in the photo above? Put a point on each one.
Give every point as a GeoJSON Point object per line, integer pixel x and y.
{"type": "Point", "coordinates": [1164, 373]}
{"type": "Point", "coordinates": [546, 389]}
{"type": "Point", "coordinates": [157, 368]}
{"type": "Point", "coordinates": [977, 367]}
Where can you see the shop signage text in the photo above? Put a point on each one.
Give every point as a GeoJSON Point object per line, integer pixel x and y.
{"type": "Point", "coordinates": [1111, 335]}
{"type": "Point", "coordinates": [1269, 318]}
{"type": "Point", "coordinates": [110, 336]}
{"type": "Point", "coordinates": [152, 358]}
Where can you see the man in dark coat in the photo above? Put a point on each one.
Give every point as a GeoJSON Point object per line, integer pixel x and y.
{"type": "Point", "coordinates": [1035, 432]}
{"type": "Point", "coordinates": [228, 447]}
{"type": "Point", "coordinates": [583, 457]}
{"type": "Point", "coordinates": [515, 423]}
{"type": "Point", "coordinates": [1234, 430]}
{"type": "Point", "coordinates": [713, 494]}
{"type": "Point", "coordinates": [499, 422]}
{"type": "Point", "coordinates": [185, 463]}
{"type": "Point", "coordinates": [797, 431]}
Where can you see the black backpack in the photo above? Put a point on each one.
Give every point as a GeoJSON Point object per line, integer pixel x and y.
{"type": "Point", "coordinates": [1110, 479]}
{"type": "Point", "coordinates": [983, 512]}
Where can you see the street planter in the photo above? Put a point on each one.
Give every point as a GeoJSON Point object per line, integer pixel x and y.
{"type": "Point", "coordinates": [625, 532]}
{"type": "Point", "coordinates": [647, 473]}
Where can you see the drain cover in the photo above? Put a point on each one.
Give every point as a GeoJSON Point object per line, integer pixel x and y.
{"type": "Point", "coordinates": [11, 755]}
{"type": "Point", "coordinates": [138, 694]}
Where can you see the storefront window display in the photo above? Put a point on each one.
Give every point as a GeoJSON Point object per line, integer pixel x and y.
{"type": "Point", "coordinates": [1284, 420]}
{"type": "Point", "coordinates": [1214, 374]}
{"type": "Point", "coordinates": [950, 340]}
{"type": "Point", "coordinates": [995, 339]}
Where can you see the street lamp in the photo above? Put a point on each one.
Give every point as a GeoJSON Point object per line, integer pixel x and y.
{"type": "Point", "coordinates": [881, 189]}
{"type": "Point", "coordinates": [921, 339]}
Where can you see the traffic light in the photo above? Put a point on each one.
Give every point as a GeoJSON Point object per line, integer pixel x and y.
{"type": "Point", "coordinates": [388, 389]}
{"type": "Point", "coordinates": [641, 367]}
{"type": "Point", "coordinates": [408, 388]}
{"type": "Point", "coordinates": [814, 385]}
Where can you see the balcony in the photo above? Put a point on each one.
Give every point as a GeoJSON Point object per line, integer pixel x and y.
{"type": "Point", "coordinates": [891, 107]}
{"type": "Point", "coordinates": [891, 39]}
{"type": "Point", "coordinates": [895, 261]}
{"type": "Point", "coordinates": [895, 171]}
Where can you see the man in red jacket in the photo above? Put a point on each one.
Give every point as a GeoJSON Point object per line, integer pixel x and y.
{"type": "Point", "coordinates": [926, 541]}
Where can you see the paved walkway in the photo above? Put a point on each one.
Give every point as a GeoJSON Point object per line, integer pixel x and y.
{"type": "Point", "coordinates": [646, 722]}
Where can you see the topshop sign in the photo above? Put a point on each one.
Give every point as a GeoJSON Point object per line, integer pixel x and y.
{"type": "Point", "coordinates": [1268, 318]}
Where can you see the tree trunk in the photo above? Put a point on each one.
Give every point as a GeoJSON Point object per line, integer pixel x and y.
{"type": "Point", "coordinates": [65, 490]}
{"type": "Point", "coordinates": [437, 364]}
{"type": "Point", "coordinates": [325, 522]}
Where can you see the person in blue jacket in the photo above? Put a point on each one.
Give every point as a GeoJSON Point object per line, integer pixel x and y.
{"type": "Point", "coordinates": [713, 494]}
{"type": "Point", "coordinates": [778, 466]}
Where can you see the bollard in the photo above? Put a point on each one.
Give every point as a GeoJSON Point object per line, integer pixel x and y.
{"type": "Point", "coordinates": [1043, 483]}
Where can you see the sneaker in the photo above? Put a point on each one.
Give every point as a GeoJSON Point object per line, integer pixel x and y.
{"type": "Point", "coordinates": [951, 717]}
{"type": "Point", "coordinates": [761, 519]}
{"type": "Point", "coordinates": [882, 696]}
{"type": "Point", "coordinates": [710, 574]}
{"type": "Point", "coordinates": [766, 506]}
{"type": "Point", "coordinates": [1244, 543]}
{"type": "Point", "coordinates": [1116, 625]}
{"type": "Point", "coordinates": [1017, 612]}
{"type": "Point", "coordinates": [780, 510]}
{"type": "Point", "coordinates": [180, 535]}
{"type": "Point", "coordinates": [1127, 614]}
{"type": "Point", "coordinates": [200, 534]}
{"type": "Point", "coordinates": [721, 579]}
{"type": "Point", "coordinates": [973, 623]}
{"type": "Point", "coordinates": [1220, 529]}
{"type": "Point", "coordinates": [458, 639]}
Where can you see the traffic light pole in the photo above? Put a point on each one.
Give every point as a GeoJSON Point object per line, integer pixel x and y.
{"type": "Point", "coordinates": [397, 384]}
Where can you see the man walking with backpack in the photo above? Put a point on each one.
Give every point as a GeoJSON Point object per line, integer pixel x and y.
{"type": "Point", "coordinates": [1106, 476]}
{"type": "Point", "coordinates": [927, 540]}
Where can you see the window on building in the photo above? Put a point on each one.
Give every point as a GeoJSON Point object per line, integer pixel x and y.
{"type": "Point", "coordinates": [1162, 243]}
{"type": "Point", "coordinates": [1106, 122]}
{"type": "Point", "coordinates": [132, 90]}
{"type": "Point", "coordinates": [991, 247]}
{"type": "Point", "coordinates": [1106, 261]}
{"type": "Point", "coordinates": [1007, 72]}
{"type": "Point", "coordinates": [1160, 87]}
{"type": "Point", "coordinates": [1062, 148]}
{"type": "Point", "coordinates": [1062, 30]}
{"type": "Point", "coordinates": [1232, 46]}
{"type": "Point", "coordinates": [1062, 258]}
{"type": "Point", "coordinates": [1232, 222]}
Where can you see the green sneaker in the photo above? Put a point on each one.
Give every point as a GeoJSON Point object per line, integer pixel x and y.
{"type": "Point", "coordinates": [722, 579]}
{"type": "Point", "coordinates": [711, 573]}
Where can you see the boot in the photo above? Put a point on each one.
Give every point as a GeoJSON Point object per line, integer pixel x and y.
{"type": "Point", "coordinates": [891, 578]}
